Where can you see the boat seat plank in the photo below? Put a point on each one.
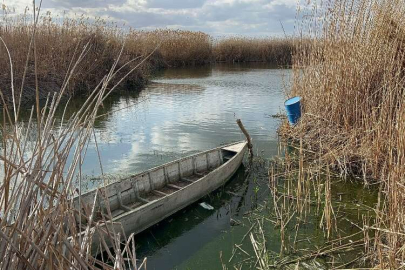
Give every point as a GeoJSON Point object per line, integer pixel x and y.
{"type": "Point", "coordinates": [125, 208]}
{"type": "Point", "coordinates": [117, 212]}
{"type": "Point", "coordinates": [160, 193]}
{"type": "Point", "coordinates": [135, 204]}
{"type": "Point", "coordinates": [192, 177]}
{"type": "Point", "coordinates": [187, 180]}
{"type": "Point", "coordinates": [201, 174]}
{"type": "Point", "coordinates": [142, 200]}
{"type": "Point", "coordinates": [174, 186]}
{"type": "Point", "coordinates": [181, 184]}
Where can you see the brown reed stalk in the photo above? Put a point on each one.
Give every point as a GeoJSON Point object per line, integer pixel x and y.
{"type": "Point", "coordinates": [278, 51]}
{"type": "Point", "coordinates": [38, 221]}
{"type": "Point", "coordinates": [352, 82]}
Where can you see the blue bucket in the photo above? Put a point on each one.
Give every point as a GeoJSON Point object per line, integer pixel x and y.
{"type": "Point", "coordinates": [293, 108]}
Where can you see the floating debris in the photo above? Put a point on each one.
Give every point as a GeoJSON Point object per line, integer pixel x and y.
{"type": "Point", "coordinates": [206, 206]}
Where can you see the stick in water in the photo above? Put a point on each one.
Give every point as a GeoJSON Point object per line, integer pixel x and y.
{"type": "Point", "coordinates": [249, 139]}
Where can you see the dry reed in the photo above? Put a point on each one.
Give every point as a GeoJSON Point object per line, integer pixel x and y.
{"type": "Point", "coordinates": [39, 226]}
{"type": "Point", "coordinates": [57, 40]}
{"type": "Point", "coordinates": [239, 49]}
{"type": "Point", "coordinates": [301, 186]}
{"type": "Point", "coordinates": [176, 47]}
{"type": "Point", "coordinates": [352, 83]}
{"type": "Point", "coordinates": [56, 44]}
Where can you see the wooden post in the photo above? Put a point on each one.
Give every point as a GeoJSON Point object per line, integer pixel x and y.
{"type": "Point", "coordinates": [249, 139]}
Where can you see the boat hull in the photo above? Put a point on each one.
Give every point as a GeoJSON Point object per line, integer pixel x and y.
{"type": "Point", "coordinates": [141, 218]}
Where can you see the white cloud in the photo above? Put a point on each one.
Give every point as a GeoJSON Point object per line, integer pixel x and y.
{"type": "Point", "coordinates": [216, 17]}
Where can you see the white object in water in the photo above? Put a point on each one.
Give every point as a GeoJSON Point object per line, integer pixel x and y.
{"type": "Point", "coordinates": [206, 206]}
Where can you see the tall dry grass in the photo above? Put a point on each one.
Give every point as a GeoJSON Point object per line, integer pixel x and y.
{"type": "Point", "coordinates": [57, 41]}
{"type": "Point", "coordinates": [278, 51]}
{"type": "Point", "coordinates": [352, 83]}
{"type": "Point", "coordinates": [175, 47]}
{"type": "Point", "coordinates": [56, 44]}
{"type": "Point", "coordinates": [39, 226]}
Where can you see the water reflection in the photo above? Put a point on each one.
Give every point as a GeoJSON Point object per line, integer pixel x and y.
{"type": "Point", "coordinates": [178, 115]}
{"type": "Point", "coordinates": [186, 72]}
{"type": "Point", "coordinates": [237, 67]}
{"type": "Point", "coordinates": [181, 112]}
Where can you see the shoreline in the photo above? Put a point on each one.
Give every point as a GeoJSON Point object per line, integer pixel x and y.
{"type": "Point", "coordinates": [86, 52]}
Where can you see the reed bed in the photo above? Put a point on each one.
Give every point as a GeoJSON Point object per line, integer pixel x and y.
{"type": "Point", "coordinates": [40, 228]}
{"type": "Point", "coordinates": [57, 40]}
{"type": "Point", "coordinates": [56, 44]}
{"type": "Point", "coordinates": [175, 47]}
{"type": "Point", "coordinates": [352, 84]}
{"type": "Point", "coordinates": [307, 193]}
{"type": "Point", "coordinates": [321, 226]}
{"type": "Point", "coordinates": [278, 51]}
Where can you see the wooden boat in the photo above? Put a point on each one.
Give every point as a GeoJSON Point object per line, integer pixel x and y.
{"type": "Point", "coordinates": [142, 200]}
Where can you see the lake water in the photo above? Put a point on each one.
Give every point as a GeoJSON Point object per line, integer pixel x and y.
{"type": "Point", "coordinates": [186, 110]}
{"type": "Point", "coordinates": [183, 111]}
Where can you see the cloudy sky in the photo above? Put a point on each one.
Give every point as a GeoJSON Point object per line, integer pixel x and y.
{"type": "Point", "coordinates": [216, 17]}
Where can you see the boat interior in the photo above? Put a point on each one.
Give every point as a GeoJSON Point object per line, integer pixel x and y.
{"type": "Point", "coordinates": [137, 190]}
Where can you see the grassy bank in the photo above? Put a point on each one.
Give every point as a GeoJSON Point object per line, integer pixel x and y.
{"type": "Point", "coordinates": [58, 44]}
{"type": "Point", "coordinates": [352, 83]}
